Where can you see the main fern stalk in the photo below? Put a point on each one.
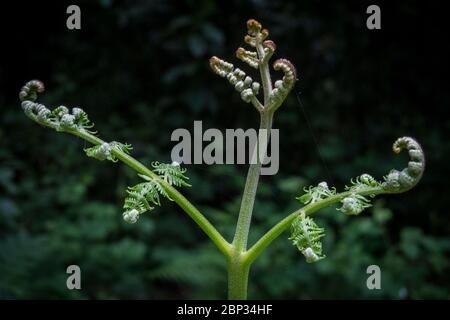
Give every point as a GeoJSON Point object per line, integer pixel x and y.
{"type": "Point", "coordinates": [238, 270]}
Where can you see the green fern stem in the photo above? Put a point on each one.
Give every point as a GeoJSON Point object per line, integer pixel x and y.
{"type": "Point", "coordinates": [249, 194]}
{"type": "Point", "coordinates": [184, 204]}
{"type": "Point", "coordinates": [237, 270]}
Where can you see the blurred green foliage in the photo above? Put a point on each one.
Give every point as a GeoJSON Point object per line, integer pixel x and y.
{"type": "Point", "coordinates": [139, 68]}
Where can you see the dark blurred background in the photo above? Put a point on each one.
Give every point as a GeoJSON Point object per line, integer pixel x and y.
{"type": "Point", "coordinates": [140, 69]}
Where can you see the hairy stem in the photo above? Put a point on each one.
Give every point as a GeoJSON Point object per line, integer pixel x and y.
{"type": "Point", "coordinates": [238, 272]}
{"type": "Point", "coordinates": [182, 202]}
{"type": "Point", "coordinates": [251, 185]}
{"type": "Point", "coordinates": [238, 269]}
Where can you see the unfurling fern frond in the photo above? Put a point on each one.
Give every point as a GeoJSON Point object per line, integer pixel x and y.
{"type": "Point", "coordinates": [144, 196]}
{"type": "Point", "coordinates": [354, 204]}
{"type": "Point", "coordinates": [314, 194]}
{"type": "Point", "coordinates": [258, 59]}
{"type": "Point", "coordinates": [362, 183]}
{"type": "Point", "coordinates": [81, 118]}
{"type": "Point", "coordinates": [156, 185]}
{"type": "Point", "coordinates": [401, 181]}
{"type": "Point", "coordinates": [30, 90]}
{"type": "Point", "coordinates": [255, 33]}
{"type": "Point", "coordinates": [141, 198]}
{"type": "Point", "coordinates": [306, 235]}
{"type": "Point", "coordinates": [285, 85]}
{"type": "Point", "coordinates": [60, 119]}
{"type": "Point", "coordinates": [105, 151]}
{"type": "Point", "coordinates": [172, 173]}
{"type": "Point", "coordinates": [364, 187]}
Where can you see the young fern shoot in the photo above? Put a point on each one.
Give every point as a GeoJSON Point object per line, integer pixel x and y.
{"type": "Point", "coordinates": [141, 197]}
{"type": "Point", "coordinates": [162, 179]}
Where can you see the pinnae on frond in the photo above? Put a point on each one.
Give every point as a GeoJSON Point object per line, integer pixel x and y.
{"type": "Point", "coordinates": [172, 173]}
{"type": "Point", "coordinates": [249, 57]}
{"type": "Point", "coordinates": [314, 194]}
{"type": "Point", "coordinates": [239, 79]}
{"type": "Point", "coordinates": [358, 195]}
{"type": "Point", "coordinates": [105, 151]}
{"type": "Point", "coordinates": [306, 236]}
{"type": "Point", "coordinates": [146, 195]}
{"type": "Point", "coordinates": [363, 182]}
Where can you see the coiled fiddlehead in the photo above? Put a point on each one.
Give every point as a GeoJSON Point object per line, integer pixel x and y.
{"type": "Point", "coordinates": [357, 196]}
{"type": "Point", "coordinates": [30, 90]}
{"type": "Point", "coordinates": [249, 89]}
{"type": "Point", "coordinates": [284, 86]}
{"type": "Point", "coordinates": [60, 119]}
{"type": "Point", "coordinates": [401, 181]}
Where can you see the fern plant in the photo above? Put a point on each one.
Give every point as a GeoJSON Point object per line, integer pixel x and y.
{"type": "Point", "coordinates": [162, 180]}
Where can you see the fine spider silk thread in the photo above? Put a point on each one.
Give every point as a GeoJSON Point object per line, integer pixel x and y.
{"type": "Point", "coordinates": [309, 126]}
{"type": "Point", "coordinates": [311, 131]}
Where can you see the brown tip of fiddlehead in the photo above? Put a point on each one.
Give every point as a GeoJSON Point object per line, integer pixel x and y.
{"type": "Point", "coordinates": [270, 44]}
{"type": "Point", "coordinates": [287, 67]}
{"type": "Point", "coordinates": [253, 27]}
{"type": "Point", "coordinates": [220, 67]}
{"type": "Point", "coordinates": [255, 33]}
{"type": "Point", "coordinates": [249, 57]}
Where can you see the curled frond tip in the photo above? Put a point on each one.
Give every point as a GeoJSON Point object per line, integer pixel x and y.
{"type": "Point", "coordinates": [60, 118]}
{"type": "Point", "coordinates": [400, 181]}
{"type": "Point", "coordinates": [30, 90]}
